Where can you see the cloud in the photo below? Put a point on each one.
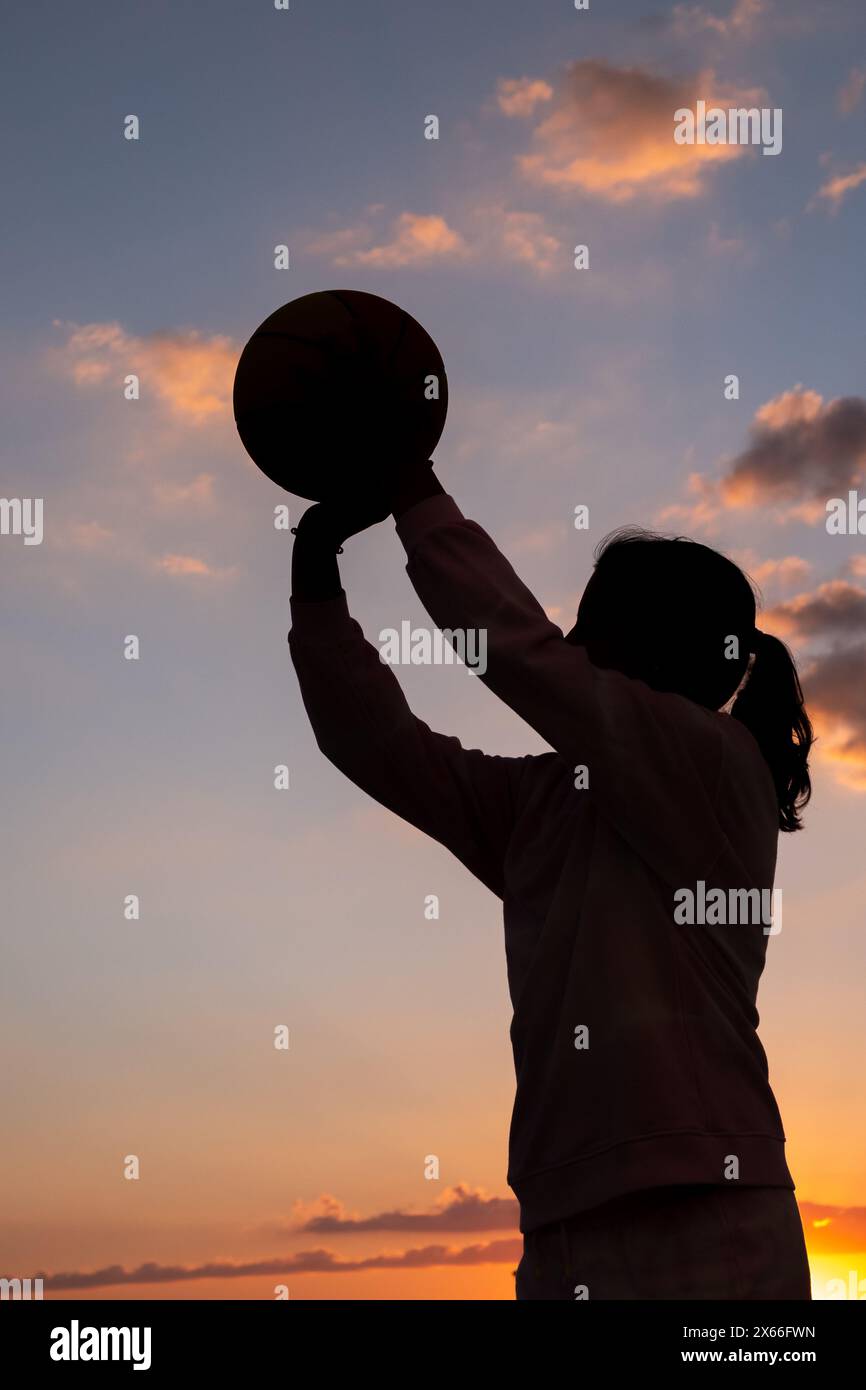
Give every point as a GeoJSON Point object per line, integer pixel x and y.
{"type": "Point", "coordinates": [610, 134]}
{"type": "Point", "coordinates": [851, 92]}
{"type": "Point", "coordinates": [790, 569]}
{"type": "Point", "coordinates": [189, 373]}
{"type": "Point", "coordinates": [835, 690]}
{"type": "Point", "coordinates": [744, 21]}
{"type": "Point", "coordinates": [524, 237]}
{"type": "Point", "coordinates": [834, 680]}
{"type": "Point", "coordinates": [494, 234]}
{"type": "Point", "coordinates": [829, 1230]}
{"type": "Point", "coordinates": [603, 130]}
{"type": "Point", "coordinates": [538, 540]}
{"type": "Point", "coordinates": [702, 514]}
{"type": "Point", "coordinates": [834, 608]}
{"type": "Point", "coordinates": [805, 450]}
{"type": "Point", "coordinates": [89, 536]}
{"type": "Point", "coordinates": [198, 491]}
{"type": "Point", "coordinates": [833, 1230]}
{"type": "Point", "coordinates": [739, 22]}
{"type": "Point", "coordinates": [519, 96]}
{"type": "Point", "coordinates": [460, 1209]}
{"type": "Point", "coordinates": [415, 239]}
{"type": "Point", "coordinates": [836, 189]}
{"type": "Point", "coordinates": [191, 567]}
{"type": "Point", "coordinates": [802, 448]}
{"type": "Point", "coordinates": [302, 1262]}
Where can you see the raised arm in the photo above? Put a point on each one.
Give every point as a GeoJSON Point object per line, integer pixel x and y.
{"type": "Point", "coordinates": [654, 759]}
{"type": "Point", "coordinates": [463, 798]}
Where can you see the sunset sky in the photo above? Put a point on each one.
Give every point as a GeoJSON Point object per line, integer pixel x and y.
{"type": "Point", "coordinates": [154, 777]}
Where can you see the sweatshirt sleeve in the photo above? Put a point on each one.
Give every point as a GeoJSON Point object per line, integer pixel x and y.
{"type": "Point", "coordinates": [463, 798]}
{"type": "Point", "coordinates": [653, 759]}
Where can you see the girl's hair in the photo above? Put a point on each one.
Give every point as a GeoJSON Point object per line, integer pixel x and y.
{"type": "Point", "coordinates": [681, 616]}
{"type": "Point", "coordinates": [771, 707]}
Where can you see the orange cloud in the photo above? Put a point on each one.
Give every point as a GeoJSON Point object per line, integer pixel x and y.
{"type": "Point", "coordinates": [611, 134]}
{"type": "Point", "coordinates": [834, 686]}
{"type": "Point", "coordinates": [789, 408]}
{"type": "Point", "coordinates": [702, 514]}
{"type": "Point", "coordinates": [833, 1230]}
{"type": "Point", "coordinates": [415, 240]}
{"type": "Point", "coordinates": [523, 237]}
{"type": "Point", "coordinates": [496, 234]}
{"type": "Point", "coordinates": [802, 447]}
{"type": "Point", "coordinates": [834, 608]}
{"type": "Point", "coordinates": [834, 681]}
{"type": "Point", "coordinates": [519, 96]}
{"type": "Point", "coordinates": [189, 566]}
{"type": "Point", "coordinates": [791, 569]}
{"type": "Point", "coordinates": [802, 450]}
{"type": "Point", "coordinates": [836, 189]}
{"type": "Point", "coordinates": [188, 373]}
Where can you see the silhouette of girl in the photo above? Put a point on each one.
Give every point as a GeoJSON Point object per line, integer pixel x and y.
{"type": "Point", "coordinates": [646, 1148]}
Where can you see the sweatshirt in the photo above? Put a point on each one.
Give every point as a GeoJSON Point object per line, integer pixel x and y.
{"type": "Point", "coordinates": [634, 1029]}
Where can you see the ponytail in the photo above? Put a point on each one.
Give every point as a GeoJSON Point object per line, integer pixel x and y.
{"type": "Point", "coordinates": [772, 709]}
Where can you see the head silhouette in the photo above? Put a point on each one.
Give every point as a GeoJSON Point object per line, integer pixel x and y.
{"type": "Point", "coordinates": [681, 617]}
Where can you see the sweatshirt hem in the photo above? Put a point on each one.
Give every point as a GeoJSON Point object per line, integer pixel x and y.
{"type": "Point", "coordinates": [663, 1160]}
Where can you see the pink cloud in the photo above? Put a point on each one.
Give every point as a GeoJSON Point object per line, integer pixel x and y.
{"type": "Point", "coordinates": [415, 239]}
{"type": "Point", "coordinates": [496, 234]}
{"type": "Point", "coordinates": [191, 567]}
{"type": "Point", "coordinates": [836, 189]}
{"type": "Point", "coordinates": [834, 679]}
{"type": "Point", "coordinates": [801, 451]}
{"type": "Point", "coordinates": [609, 133]}
{"type": "Point", "coordinates": [788, 570]}
{"type": "Point", "coordinates": [188, 373]}
{"type": "Point", "coordinates": [525, 238]}
{"type": "Point", "coordinates": [802, 448]}
{"type": "Point", "coordinates": [519, 96]}
{"type": "Point", "coordinates": [835, 608]}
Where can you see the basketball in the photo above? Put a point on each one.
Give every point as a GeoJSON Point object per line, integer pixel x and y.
{"type": "Point", "coordinates": [337, 388]}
